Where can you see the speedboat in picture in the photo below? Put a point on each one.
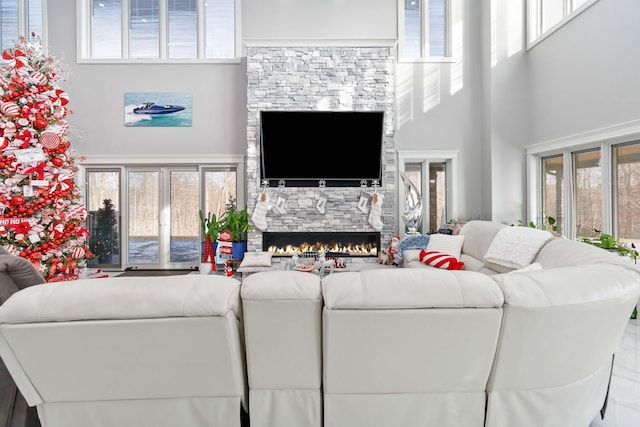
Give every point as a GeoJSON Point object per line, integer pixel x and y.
{"type": "Point", "coordinates": [153, 108]}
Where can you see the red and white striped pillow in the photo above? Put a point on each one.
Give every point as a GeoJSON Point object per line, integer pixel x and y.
{"type": "Point", "coordinates": [440, 260]}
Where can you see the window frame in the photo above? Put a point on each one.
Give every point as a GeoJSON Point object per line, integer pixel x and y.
{"type": "Point", "coordinates": [605, 139]}
{"type": "Point", "coordinates": [84, 36]}
{"type": "Point", "coordinates": [23, 21]}
{"type": "Point", "coordinates": [425, 158]}
{"type": "Point", "coordinates": [534, 20]}
{"type": "Point", "coordinates": [424, 31]}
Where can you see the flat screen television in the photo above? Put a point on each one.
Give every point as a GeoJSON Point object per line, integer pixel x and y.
{"type": "Point", "coordinates": [304, 147]}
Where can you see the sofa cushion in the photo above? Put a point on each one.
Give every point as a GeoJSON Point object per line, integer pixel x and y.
{"type": "Point", "coordinates": [256, 259]}
{"type": "Point", "coordinates": [124, 298]}
{"type": "Point", "coordinates": [440, 260]}
{"type": "Point", "coordinates": [478, 236]}
{"type": "Point", "coordinates": [569, 286]}
{"type": "Point", "coordinates": [281, 286]}
{"type": "Point", "coordinates": [559, 252]}
{"type": "Point", "coordinates": [410, 288]}
{"type": "Point", "coordinates": [446, 243]}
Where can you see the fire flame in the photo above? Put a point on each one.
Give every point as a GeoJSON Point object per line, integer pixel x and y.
{"type": "Point", "coordinates": [349, 249]}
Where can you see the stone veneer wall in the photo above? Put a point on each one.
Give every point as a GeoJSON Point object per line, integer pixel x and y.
{"type": "Point", "coordinates": [323, 78]}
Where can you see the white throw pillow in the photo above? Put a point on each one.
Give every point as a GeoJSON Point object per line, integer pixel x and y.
{"type": "Point", "coordinates": [256, 259]}
{"type": "Point", "coordinates": [446, 243]}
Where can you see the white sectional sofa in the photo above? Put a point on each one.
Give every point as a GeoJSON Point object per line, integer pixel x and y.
{"type": "Point", "coordinates": [131, 351]}
{"type": "Point", "coordinates": [486, 346]}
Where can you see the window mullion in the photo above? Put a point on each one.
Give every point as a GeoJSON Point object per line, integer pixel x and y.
{"type": "Point", "coordinates": [538, 18]}
{"type": "Point", "coordinates": [125, 13]}
{"type": "Point", "coordinates": [569, 210]}
{"type": "Point", "coordinates": [607, 188]}
{"type": "Point", "coordinates": [163, 24]}
{"type": "Point", "coordinates": [448, 30]}
{"type": "Point", "coordinates": [201, 46]}
{"type": "Point", "coordinates": [22, 17]}
{"type": "Point", "coordinates": [425, 226]}
{"type": "Point", "coordinates": [424, 29]}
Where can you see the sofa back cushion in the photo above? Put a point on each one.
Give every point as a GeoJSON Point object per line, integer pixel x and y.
{"type": "Point", "coordinates": [478, 236]}
{"type": "Point", "coordinates": [559, 252]}
{"type": "Point", "coordinates": [409, 288]}
{"type": "Point", "coordinates": [124, 298]}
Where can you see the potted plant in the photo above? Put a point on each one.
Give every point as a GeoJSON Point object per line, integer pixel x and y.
{"type": "Point", "coordinates": [608, 242]}
{"type": "Point", "coordinates": [236, 223]}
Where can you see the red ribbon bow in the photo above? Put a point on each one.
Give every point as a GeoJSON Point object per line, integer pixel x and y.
{"type": "Point", "coordinates": [20, 227]}
{"type": "Point", "coordinates": [39, 169]}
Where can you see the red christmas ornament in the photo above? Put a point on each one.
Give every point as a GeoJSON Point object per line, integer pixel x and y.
{"type": "Point", "coordinates": [17, 200]}
{"type": "Point", "coordinates": [57, 161]}
{"type": "Point", "coordinates": [40, 123]}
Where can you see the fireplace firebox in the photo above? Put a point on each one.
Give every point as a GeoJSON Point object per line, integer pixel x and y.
{"type": "Point", "coordinates": [353, 244]}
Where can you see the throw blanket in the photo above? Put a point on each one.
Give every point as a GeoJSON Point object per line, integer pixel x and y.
{"type": "Point", "coordinates": [516, 247]}
{"type": "Point", "coordinates": [412, 241]}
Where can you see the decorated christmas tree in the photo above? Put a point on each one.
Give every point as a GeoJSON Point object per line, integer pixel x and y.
{"type": "Point", "coordinates": [41, 216]}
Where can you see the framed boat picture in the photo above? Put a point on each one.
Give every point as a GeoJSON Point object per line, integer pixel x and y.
{"type": "Point", "coordinates": [157, 109]}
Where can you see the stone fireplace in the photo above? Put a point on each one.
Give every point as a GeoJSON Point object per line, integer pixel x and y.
{"type": "Point", "coordinates": [320, 78]}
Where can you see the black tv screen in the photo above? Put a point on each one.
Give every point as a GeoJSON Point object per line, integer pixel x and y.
{"type": "Point", "coordinates": [304, 147]}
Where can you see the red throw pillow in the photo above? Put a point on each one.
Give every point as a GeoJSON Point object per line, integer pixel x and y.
{"type": "Point", "coordinates": [440, 260]}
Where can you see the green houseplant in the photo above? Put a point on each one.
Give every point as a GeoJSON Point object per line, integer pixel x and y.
{"type": "Point", "coordinates": [608, 242]}
{"type": "Point", "coordinates": [236, 222]}
{"type": "Point", "coordinates": [548, 224]}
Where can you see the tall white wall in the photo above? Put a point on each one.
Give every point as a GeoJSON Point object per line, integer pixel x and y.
{"type": "Point", "coordinates": [315, 19]}
{"type": "Point", "coordinates": [96, 93]}
{"type": "Point", "coordinates": [584, 77]}
{"type": "Point", "coordinates": [440, 106]}
{"type": "Point", "coordinates": [508, 121]}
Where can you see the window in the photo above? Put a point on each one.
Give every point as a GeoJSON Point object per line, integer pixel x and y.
{"type": "Point", "coordinates": [425, 30]}
{"type": "Point", "coordinates": [433, 173]}
{"type": "Point", "coordinates": [103, 221]}
{"type": "Point", "coordinates": [599, 195]}
{"type": "Point", "coordinates": [626, 203]}
{"type": "Point", "coordinates": [146, 216]}
{"type": "Point", "coordinates": [159, 30]}
{"type": "Point", "coordinates": [587, 192]}
{"type": "Point", "coordinates": [21, 18]}
{"type": "Point", "coordinates": [553, 189]}
{"type": "Point", "coordinates": [546, 16]}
